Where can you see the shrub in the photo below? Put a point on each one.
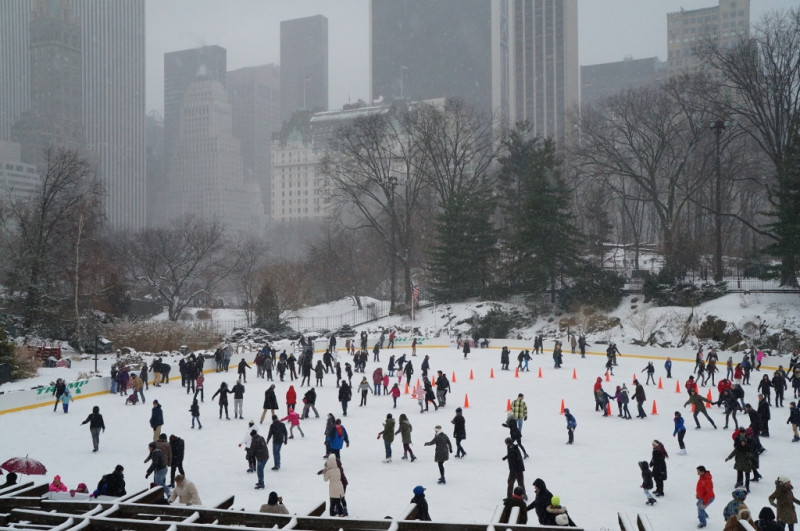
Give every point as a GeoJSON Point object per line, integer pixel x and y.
{"type": "Point", "coordinates": [158, 336]}
{"type": "Point", "coordinates": [593, 286]}
{"type": "Point", "coordinates": [665, 292]}
{"type": "Point", "coordinates": [496, 323]}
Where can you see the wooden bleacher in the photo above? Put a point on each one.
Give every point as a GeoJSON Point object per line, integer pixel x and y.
{"type": "Point", "coordinates": [32, 507]}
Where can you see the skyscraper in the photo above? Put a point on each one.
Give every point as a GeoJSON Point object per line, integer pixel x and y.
{"type": "Point", "coordinates": [113, 94]}
{"type": "Point", "coordinates": [729, 19]}
{"type": "Point", "coordinates": [304, 65]}
{"type": "Point", "coordinates": [181, 69]}
{"type": "Point", "coordinates": [516, 60]}
{"type": "Point", "coordinates": [254, 94]}
{"type": "Point", "coordinates": [603, 80]}
{"type": "Point", "coordinates": [206, 174]}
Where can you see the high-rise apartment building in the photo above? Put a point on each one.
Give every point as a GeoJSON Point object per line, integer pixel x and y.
{"type": "Point", "coordinates": [254, 94]}
{"type": "Point", "coordinates": [158, 200]}
{"type": "Point", "coordinates": [514, 60]}
{"type": "Point", "coordinates": [112, 49]}
{"type": "Point", "coordinates": [304, 65]}
{"type": "Point", "coordinates": [729, 19]}
{"type": "Point", "coordinates": [206, 172]}
{"type": "Point", "coordinates": [181, 69]}
{"type": "Point", "coordinates": [18, 180]}
{"type": "Point", "coordinates": [600, 81]}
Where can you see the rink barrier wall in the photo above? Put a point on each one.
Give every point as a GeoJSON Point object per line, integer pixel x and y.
{"type": "Point", "coordinates": [13, 401]}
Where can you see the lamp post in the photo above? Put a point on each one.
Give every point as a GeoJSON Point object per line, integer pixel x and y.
{"type": "Point", "coordinates": [392, 184]}
{"type": "Point", "coordinates": [718, 126]}
{"type": "Point", "coordinates": [96, 344]}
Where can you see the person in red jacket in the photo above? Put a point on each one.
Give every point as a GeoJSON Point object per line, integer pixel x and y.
{"type": "Point", "coordinates": [291, 399]}
{"type": "Point", "coordinates": [704, 492]}
{"type": "Point", "coordinates": [690, 385]}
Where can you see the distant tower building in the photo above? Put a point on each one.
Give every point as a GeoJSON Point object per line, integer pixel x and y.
{"type": "Point", "coordinates": [598, 82]}
{"type": "Point", "coordinates": [206, 165]}
{"type": "Point", "coordinates": [181, 69]}
{"type": "Point", "coordinates": [254, 94]}
{"type": "Point", "coordinates": [297, 191]}
{"type": "Point", "coordinates": [158, 202]}
{"type": "Point", "coordinates": [515, 60]}
{"type": "Point", "coordinates": [14, 63]}
{"type": "Point", "coordinates": [113, 91]}
{"type": "Point", "coordinates": [18, 180]}
{"type": "Point", "coordinates": [730, 19]}
{"type": "Point", "coordinates": [304, 65]}
{"type": "Point", "coordinates": [55, 117]}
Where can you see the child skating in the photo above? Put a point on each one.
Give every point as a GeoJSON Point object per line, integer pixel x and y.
{"type": "Point", "coordinates": [195, 410]}
{"type": "Point", "coordinates": [647, 482]}
{"type": "Point", "coordinates": [571, 425]}
{"type": "Point", "coordinates": [294, 422]}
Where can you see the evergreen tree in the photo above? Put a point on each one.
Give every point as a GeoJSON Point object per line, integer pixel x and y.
{"type": "Point", "coordinates": [460, 261]}
{"type": "Point", "coordinates": [540, 240]}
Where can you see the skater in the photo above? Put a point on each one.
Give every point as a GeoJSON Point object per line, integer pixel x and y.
{"type": "Point", "coordinates": [395, 393]}
{"type": "Point", "coordinates": [158, 467]}
{"type": "Point", "coordinates": [519, 410]}
{"type": "Point", "coordinates": [242, 370]}
{"type": "Point", "coordinates": [647, 482]}
{"type": "Point", "coordinates": [764, 415]}
{"type": "Point", "coordinates": [339, 438]}
{"type": "Point", "coordinates": [66, 398]}
{"type": "Point", "coordinates": [96, 425]}
{"type": "Point", "coordinates": [319, 373]}
{"type": "Point", "coordinates": [794, 420]}
{"type": "Point", "coordinates": [238, 399]}
{"type": "Point", "coordinates": [517, 499]}
{"type": "Point", "coordinates": [258, 446]}
{"type": "Point", "coordinates": [248, 453]}
{"type": "Point", "coordinates": [309, 403]}
{"type": "Point", "coordinates": [640, 397]}
{"type": "Point", "coordinates": [344, 396]}
{"type": "Point", "coordinates": [571, 425]}
{"type": "Point", "coordinates": [659, 463]}
{"type": "Point", "coordinates": [223, 392]}
{"type": "Point", "coordinates": [430, 398]}
{"type": "Point", "coordinates": [408, 370]}
{"type": "Point", "coordinates": [442, 388]}
{"type": "Point", "coordinates": [783, 500]}
{"type": "Point", "coordinates": [332, 475]}
{"type": "Point", "coordinates": [680, 431]}
{"type": "Point", "coordinates": [730, 405]}
{"type": "Point", "coordinates": [704, 492]}
{"type": "Point", "coordinates": [650, 370]}
{"type": "Point", "coordinates": [621, 395]}
{"type": "Point", "coordinates": [742, 463]}
{"type": "Point", "coordinates": [459, 432]}
{"type": "Point", "coordinates": [404, 430]}
{"type": "Point", "coordinates": [443, 449]}
{"type": "Point", "coordinates": [294, 422]}
{"type": "Point", "coordinates": [388, 436]}
{"type": "Point", "coordinates": [279, 436]}
{"type": "Point", "coordinates": [466, 348]}
{"type": "Point", "coordinates": [377, 381]}
{"type": "Point", "coordinates": [198, 390]}
{"type": "Point", "coordinates": [185, 492]}
{"type": "Point", "coordinates": [291, 399]}
{"type": "Point", "coordinates": [194, 409]}
{"type": "Point", "coordinates": [514, 433]}
{"type": "Point", "coordinates": [699, 403]}
{"type": "Point", "coordinates": [270, 403]}
{"type": "Point", "coordinates": [668, 367]}
{"type": "Point", "coordinates": [516, 467]}
{"type": "Point", "coordinates": [156, 419]}
{"type": "Point", "coordinates": [540, 502]}
{"type": "Point", "coordinates": [363, 388]}
{"type": "Point", "coordinates": [178, 448]}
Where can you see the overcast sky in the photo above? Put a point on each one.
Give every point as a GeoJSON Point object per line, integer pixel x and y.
{"type": "Point", "coordinates": [250, 31]}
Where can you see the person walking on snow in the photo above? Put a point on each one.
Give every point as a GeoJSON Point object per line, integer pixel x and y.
{"type": "Point", "coordinates": [96, 425]}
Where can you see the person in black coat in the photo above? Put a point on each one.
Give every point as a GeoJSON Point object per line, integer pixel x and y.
{"type": "Point", "coordinates": [514, 433]}
{"type": "Point", "coordinates": [345, 395]}
{"type": "Point", "coordinates": [659, 464]}
{"type": "Point", "coordinates": [421, 503]}
{"type": "Point", "coordinates": [178, 447]}
{"type": "Point", "coordinates": [223, 393]}
{"type": "Point", "coordinates": [540, 503]}
{"type": "Point", "coordinates": [270, 402]}
{"type": "Point", "coordinates": [459, 431]}
{"type": "Point", "coordinates": [640, 397]}
{"type": "Point", "coordinates": [763, 415]}
{"type": "Point", "coordinates": [156, 419]}
{"type": "Point", "coordinates": [112, 484]}
{"type": "Point", "coordinates": [96, 424]}
{"type": "Point", "coordinates": [279, 436]}
{"type": "Point", "coordinates": [516, 467]}
{"type": "Point", "coordinates": [517, 500]}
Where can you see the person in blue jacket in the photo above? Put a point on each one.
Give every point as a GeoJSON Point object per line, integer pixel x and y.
{"type": "Point", "coordinates": [680, 431]}
{"type": "Point", "coordinates": [668, 367]}
{"type": "Point", "coordinates": [339, 438]}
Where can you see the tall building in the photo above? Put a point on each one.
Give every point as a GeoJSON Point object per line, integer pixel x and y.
{"type": "Point", "coordinates": [729, 19]}
{"type": "Point", "coordinates": [598, 82]}
{"type": "Point", "coordinates": [112, 43]}
{"type": "Point", "coordinates": [254, 94]}
{"type": "Point", "coordinates": [206, 173]}
{"type": "Point", "coordinates": [158, 200]}
{"type": "Point", "coordinates": [18, 180]}
{"type": "Point", "coordinates": [514, 60]}
{"type": "Point", "coordinates": [54, 117]}
{"type": "Point", "coordinates": [181, 69]}
{"type": "Point", "coordinates": [304, 65]}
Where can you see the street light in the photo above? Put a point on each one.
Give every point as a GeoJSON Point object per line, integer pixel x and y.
{"type": "Point", "coordinates": [392, 184]}
{"type": "Point", "coordinates": [718, 126]}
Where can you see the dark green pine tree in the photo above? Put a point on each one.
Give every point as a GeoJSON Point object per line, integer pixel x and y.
{"type": "Point", "coordinates": [460, 261]}
{"type": "Point", "coordinates": [541, 240]}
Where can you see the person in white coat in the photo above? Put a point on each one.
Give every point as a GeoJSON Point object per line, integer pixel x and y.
{"type": "Point", "coordinates": [245, 442]}
{"type": "Point", "coordinates": [333, 475]}
{"type": "Point", "coordinates": [185, 492]}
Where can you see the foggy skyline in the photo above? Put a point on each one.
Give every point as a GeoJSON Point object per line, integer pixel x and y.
{"type": "Point", "coordinates": [609, 30]}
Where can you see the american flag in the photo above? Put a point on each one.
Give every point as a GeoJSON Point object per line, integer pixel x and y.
{"type": "Point", "coordinates": [415, 293]}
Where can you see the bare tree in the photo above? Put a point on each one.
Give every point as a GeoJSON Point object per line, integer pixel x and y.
{"type": "Point", "coordinates": [376, 182]}
{"type": "Point", "coordinates": [50, 224]}
{"type": "Point", "coordinates": [251, 252]}
{"type": "Point", "coordinates": [180, 262]}
{"type": "Point", "coordinates": [760, 77]}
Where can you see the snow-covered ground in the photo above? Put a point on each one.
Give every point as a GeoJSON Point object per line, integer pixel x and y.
{"type": "Point", "coordinates": [596, 477]}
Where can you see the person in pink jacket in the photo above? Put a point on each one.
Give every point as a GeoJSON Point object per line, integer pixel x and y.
{"type": "Point", "coordinates": [57, 486]}
{"type": "Point", "coordinates": [294, 422]}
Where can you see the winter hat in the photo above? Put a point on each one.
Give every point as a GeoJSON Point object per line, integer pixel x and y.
{"type": "Point", "coordinates": [459, 410]}
{"type": "Point", "coordinates": [96, 409]}
{"type": "Point", "coordinates": [251, 423]}
{"type": "Point", "coordinates": [566, 410]}
{"type": "Point", "coordinates": [119, 468]}
{"type": "Point", "coordinates": [273, 498]}
{"type": "Point", "coordinates": [781, 479]}
{"type": "Point", "coordinates": [739, 494]}
{"type": "Point", "coordinates": [155, 402]}
{"type": "Point", "coordinates": [562, 520]}
{"type": "Point", "coordinates": [438, 428]}
{"type": "Point", "coordinates": [419, 490]}
{"type": "Point", "coordinates": [555, 501]}
{"type": "Point", "coordinates": [162, 437]}
{"type": "Point", "coordinates": [253, 432]}
{"type": "Point", "coordinates": [519, 491]}
{"type": "Point", "coordinates": [57, 478]}
{"type": "Point", "coordinates": [767, 514]}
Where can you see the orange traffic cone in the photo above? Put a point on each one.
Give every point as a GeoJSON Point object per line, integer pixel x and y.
{"type": "Point", "coordinates": [466, 401]}
{"type": "Point", "coordinates": [454, 377]}
{"type": "Point", "coordinates": [677, 387]}
{"type": "Point", "coordinates": [516, 372]}
{"type": "Point", "coordinates": [660, 386]}
{"type": "Point", "coordinates": [562, 406]}
{"type": "Point", "coordinates": [417, 382]}
{"type": "Point", "coordinates": [540, 372]}
{"type": "Point", "coordinates": [406, 392]}
{"type": "Point", "coordinates": [471, 376]}
{"type": "Point", "coordinates": [709, 395]}
{"type": "Point", "coordinates": [655, 410]}
{"type": "Point", "coordinates": [508, 405]}
{"type": "Point", "coordinates": [574, 374]}
{"type": "Point", "coordinates": [608, 378]}
{"type": "Point", "coordinates": [414, 393]}
{"type": "Point", "coordinates": [608, 409]}
{"type": "Point", "coordinates": [491, 373]}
